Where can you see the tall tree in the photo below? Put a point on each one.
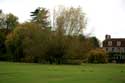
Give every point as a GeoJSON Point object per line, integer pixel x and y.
{"type": "Point", "coordinates": [40, 16]}
{"type": "Point", "coordinates": [11, 21]}
{"type": "Point", "coordinates": [8, 21]}
{"type": "Point", "coordinates": [70, 20]}
{"type": "Point", "coordinates": [2, 46]}
{"type": "Point", "coordinates": [2, 20]}
{"type": "Point", "coordinates": [95, 42]}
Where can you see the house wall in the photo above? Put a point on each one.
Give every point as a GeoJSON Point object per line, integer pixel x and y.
{"type": "Point", "coordinates": [115, 49]}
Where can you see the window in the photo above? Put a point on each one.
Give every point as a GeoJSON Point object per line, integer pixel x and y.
{"type": "Point", "coordinates": [124, 49]}
{"type": "Point", "coordinates": [106, 49]}
{"type": "Point", "coordinates": [119, 50]}
{"type": "Point", "coordinates": [118, 43]}
{"type": "Point", "coordinates": [113, 49]}
{"type": "Point", "coordinates": [109, 43]}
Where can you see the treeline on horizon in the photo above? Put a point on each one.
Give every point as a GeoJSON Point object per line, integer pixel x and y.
{"type": "Point", "coordinates": [37, 41]}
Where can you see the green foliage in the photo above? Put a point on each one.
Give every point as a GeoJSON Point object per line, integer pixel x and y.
{"type": "Point", "coordinates": [40, 16]}
{"type": "Point", "coordinates": [14, 45]}
{"type": "Point", "coordinates": [2, 46]}
{"type": "Point", "coordinates": [24, 41]}
{"type": "Point", "coordinates": [94, 41]}
{"type": "Point", "coordinates": [2, 20]}
{"type": "Point", "coordinates": [56, 49]}
{"type": "Point", "coordinates": [34, 42]}
{"type": "Point", "coordinates": [11, 21]}
{"type": "Point", "coordinates": [28, 43]}
{"type": "Point", "coordinates": [8, 21]}
{"type": "Point", "coordinates": [76, 50]}
{"type": "Point", "coordinates": [2, 37]}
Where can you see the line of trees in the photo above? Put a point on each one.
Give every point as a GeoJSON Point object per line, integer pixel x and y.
{"type": "Point", "coordinates": [39, 42]}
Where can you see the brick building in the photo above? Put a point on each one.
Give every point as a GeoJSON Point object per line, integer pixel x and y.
{"type": "Point", "coordinates": [115, 48]}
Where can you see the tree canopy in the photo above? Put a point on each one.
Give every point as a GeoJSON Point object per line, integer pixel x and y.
{"type": "Point", "coordinates": [71, 20]}
{"type": "Point", "coordinates": [35, 42]}
{"type": "Point", "coordinates": [40, 16]}
{"type": "Point", "coordinates": [8, 21]}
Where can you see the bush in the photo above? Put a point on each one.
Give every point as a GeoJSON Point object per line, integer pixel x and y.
{"type": "Point", "coordinates": [2, 46]}
{"type": "Point", "coordinates": [97, 56]}
{"type": "Point", "coordinates": [76, 50]}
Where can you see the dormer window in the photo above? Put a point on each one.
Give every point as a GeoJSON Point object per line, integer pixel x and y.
{"type": "Point", "coordinates": [118, 43]}
{"type": "Point", "coordinates": [109, 43]}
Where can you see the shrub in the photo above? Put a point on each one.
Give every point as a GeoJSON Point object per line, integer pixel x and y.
{"type": "Point", "coordinates": [97, 56]}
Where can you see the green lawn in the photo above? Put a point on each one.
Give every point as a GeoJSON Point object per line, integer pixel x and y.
{"type": "Point", "coordinates": [37, 73]}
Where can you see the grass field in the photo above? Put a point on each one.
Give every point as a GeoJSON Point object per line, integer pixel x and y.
{"type": "Point", "coordinates": [37, 73]}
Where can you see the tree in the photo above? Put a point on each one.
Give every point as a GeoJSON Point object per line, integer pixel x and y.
{"type": "Point", "coordinates": [8, 22]}
{"type": "Point", "coordinates": [56, 47]}
{"type": "Point", "coordinates": [32, 42]}
{"type": "Point", "coordinates": [2, 46]}
{"type": "Point", "coordinates": [40, 16]}
{"type": "Point", "coordinates": [71, 21]}
{"type": "Point", "coordinates": [94, 42]}
{"type": "Point", "coordinates": [14, 45]}
{"type": "Point", "coordinates": [11, 21]}
{"type": "Point", "coordinates": [27, 43]}
{"type": "Point", "coordinates": [97, 56]}
{"type": "Point", "coordinates": [2, 20]}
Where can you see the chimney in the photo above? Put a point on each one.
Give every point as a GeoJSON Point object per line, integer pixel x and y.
{"type": "Point", "coordinates": [107, 36]}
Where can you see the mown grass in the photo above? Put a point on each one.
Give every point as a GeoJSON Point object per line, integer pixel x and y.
{"type": "Point", "coordinates": [38, 73]}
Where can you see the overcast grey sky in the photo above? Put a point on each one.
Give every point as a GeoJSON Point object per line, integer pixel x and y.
{"type": "Point", "coordinates": [104, 16]}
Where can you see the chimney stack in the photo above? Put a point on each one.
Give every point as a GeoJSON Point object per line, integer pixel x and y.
{"type": "Point", "coordinates": [107, 36]}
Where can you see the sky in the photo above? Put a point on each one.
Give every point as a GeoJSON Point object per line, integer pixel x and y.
{"type": "Point", "coordinates": [104, 16]}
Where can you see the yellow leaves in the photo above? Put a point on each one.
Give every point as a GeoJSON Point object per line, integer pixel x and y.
{"type": "Point", "coordinates": [97, 56]}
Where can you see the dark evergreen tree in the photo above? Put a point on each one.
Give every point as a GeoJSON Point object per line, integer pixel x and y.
{"type": "Point", "coordinates": [40, 16]}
